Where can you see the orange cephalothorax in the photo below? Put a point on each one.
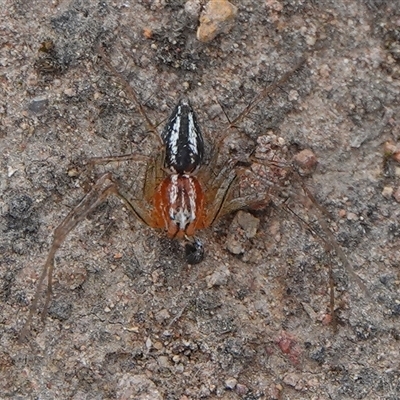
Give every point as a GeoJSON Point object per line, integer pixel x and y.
{"type": "Point", "coordinates": [179, 205]}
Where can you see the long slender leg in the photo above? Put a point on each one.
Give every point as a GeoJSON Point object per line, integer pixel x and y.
{"type": "Point", "coordinates": [92, 162]}
{"type": "Point", "coordinates": [267, 91]}
{"type": "Point", "coordinates": [124, 157]}
{"type": "Point", "coordinates": [153, 177]}
{"type": "Point", "coordinates": [151, 127]}
{"type": "Point", "coordinates": [215, 179]}
{"type": "Point", "coordinates": [332, 300]}
{"type": "Point", "coordinates": [137, 207]}
{"type": "Point", "coordinates": [331, 243]}
{"type": "Point", "coordinates": [140, 207]}
{"type": "Point", "coordinates": [97, 195]}
{"type": "Point", "coordinates": [249, 202]}
{"type": "Point", "coordinates": [155, 173]}
{"type": "Point", "coordinates": [219, 195]}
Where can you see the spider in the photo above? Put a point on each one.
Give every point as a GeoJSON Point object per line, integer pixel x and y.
{"type": "Point", "coordinates": [181, 193]}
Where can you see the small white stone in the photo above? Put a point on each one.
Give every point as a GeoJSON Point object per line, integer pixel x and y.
{"type": "Point", "coordinates": [231, 383]}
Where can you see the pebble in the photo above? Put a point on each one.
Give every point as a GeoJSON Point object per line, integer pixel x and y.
{"type": "Point", "coordinates": [162, 315]}
{"type": "Point", "coordinates": [291, 379]}
{"type": "Point", "coordinates": [179, 369]}
{"type": "Point", "coordinates": [241, 390]}
{"type": "Point", "coordinates": [352, 216]}
{"type": "Point", "coordinates": [148, 343]}
{"type": "Point", "coordinates": [387, 192]}
{"type": "Point", "coordinates": [306, 160]}
{"type": "Point", "coordinates": [293, 95]}
{"type": "Point", "coordinates": [392, 150]}
{"type": "Point", "coordinates": [134, 329]}
{"type": "Point", "coordinates": [11, 171]}
{"type": "Point", "coordinates": [192, 8]}
{"type": "Point", "coordinates": [248, 223]}
{"type": "Point", "coordinates": [76, 277]}
{"type": "Point", "coordinates": [147, 33]}
{"type": "Point", "coordinates": [218, 17]}
{"type": "Point", "coordinates": [163, 362]}
{"type": "Point", "coordinates": [252, 256]}
{"type": "Point", "coordinates": [233, 245]}
{"type": "Point", "coordinates": [137, 387]}
{"type": "Point", "coordinates": [158, 345]}
{"type": "Point", "coordinates": [218, 277]}
{"type": "Point", "coordinates": [324, 71]}
{"type": "Point", "coordinates": [176, 358]}
{"type": "Point", "coordinates": [73, 173]}
{"type": "Point", "coordinates": [70, 92]}
{"type": "Point", "coordinates": [60, 310]}
{"type": "Point", "coordinates": [38, 104]}
{"type": "Point", "coordinates": [244, 226]}
{"type": "Point", "coordinates": [230, 383]}
{"type": "Point", "coordinates": [396, 156]}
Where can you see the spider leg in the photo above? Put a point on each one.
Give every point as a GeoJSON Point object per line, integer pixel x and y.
{"type": "Point", "coordinates": [267, 91]}
{"type": "Point", "coordinates": [93, 161]}
{"type": "Point", "coordinates": [155, 173]}
{"type": "Point", "coordinates": [224, 204]}
{"type": "Point", "coordinates": [249, 202]}
{"type": "Point", "coordinates": [124, 157]}
{"type": "Point", "coordinates": [137, 207]}
{"type": "Point", "coordinates": [101, 190]}
{"type": "Point", "coordinates": [330, 241]}
{"type": "Point", "coordinates": [140, 207]}
{"type": "Point", "coordinates": [218, 192]}
{"type": "Point", "coordinates": [150, 126]}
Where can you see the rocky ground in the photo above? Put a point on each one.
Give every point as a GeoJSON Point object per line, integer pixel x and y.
{"type": "Point", "coordinates": [129, 317]}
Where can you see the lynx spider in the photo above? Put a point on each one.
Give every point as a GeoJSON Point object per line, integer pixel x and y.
{"type": "Point", "coordinates": [180, 195]}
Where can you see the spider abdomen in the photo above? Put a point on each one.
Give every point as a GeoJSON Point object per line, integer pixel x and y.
{"type": "Point", "coordinates": [179, 205]}
{"type": "Point", "coordinates": [184, 144]}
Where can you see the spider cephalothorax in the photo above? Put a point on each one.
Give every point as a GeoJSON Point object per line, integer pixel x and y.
{"type": "Point", "coordinates": [179, 205]}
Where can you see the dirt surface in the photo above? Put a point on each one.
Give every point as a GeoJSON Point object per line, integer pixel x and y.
{"type": "Point", "coordinates": [129, 317]}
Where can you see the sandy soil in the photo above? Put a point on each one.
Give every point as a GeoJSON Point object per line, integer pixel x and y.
{"type": "Point", "coordinates": [129, 317]}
